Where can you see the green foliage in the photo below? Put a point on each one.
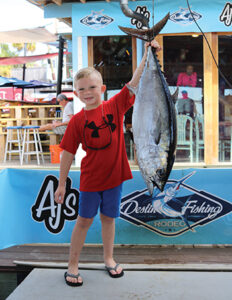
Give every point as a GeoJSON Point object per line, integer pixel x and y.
{"type": "Point", "coordinates": [29, 46]}
{"type": "Point", "coordinates": [7, 51]}
{"type": "Point", "coordinates": [18, 46]}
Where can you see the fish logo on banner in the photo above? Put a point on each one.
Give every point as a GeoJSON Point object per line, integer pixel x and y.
{"type": "Point", "coordinates": [176, 210]}
{"type": "Point", "coordinates": [226, 15]}
{"type": "Point", "coordinates": [96, 20]}
{"type": "Point", "coordinates": [48, 211]}
{"type": "Point", "coordinates": [184, 17]}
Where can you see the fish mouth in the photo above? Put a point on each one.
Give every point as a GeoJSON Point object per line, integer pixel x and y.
{"type": "Point", "coordinates": [160, 185]}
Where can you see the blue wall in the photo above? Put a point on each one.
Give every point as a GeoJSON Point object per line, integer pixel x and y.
{"type": "Point", "coordinates": [104, 17]}
{"type": "Point", "coordinates": [199, 211]}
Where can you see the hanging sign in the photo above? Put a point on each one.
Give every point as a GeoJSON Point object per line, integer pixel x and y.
{"type": "Point", "coordinates": [194, 208]}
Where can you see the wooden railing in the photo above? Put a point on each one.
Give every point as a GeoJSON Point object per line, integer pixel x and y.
{"type": "Point", "coordinates": [37, 115]}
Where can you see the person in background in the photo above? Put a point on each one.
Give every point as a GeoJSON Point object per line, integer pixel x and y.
{"type": "Point", "coordinates": [129, 133]}
{"type": "Point", "coordinates": [59, 127]}
{"type": "Point", "coordinates": [188, 78]}
{"type": "Point", "coordinates": [186, 105]}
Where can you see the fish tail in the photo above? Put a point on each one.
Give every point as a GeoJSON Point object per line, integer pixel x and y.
{"type": "Point", "coordinates": [146, 34]}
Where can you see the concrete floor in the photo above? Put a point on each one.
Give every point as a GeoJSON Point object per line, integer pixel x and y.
{"type": "Point", "coordinates": [137, 284]}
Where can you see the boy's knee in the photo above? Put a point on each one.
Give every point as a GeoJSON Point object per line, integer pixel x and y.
{"type": "Point", "coordinates": [106, 219]}
{"type": "Point", "coordinates": [84, 222]}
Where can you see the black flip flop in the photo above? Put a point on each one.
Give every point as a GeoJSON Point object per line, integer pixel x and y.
{"type": "Point", "coordinates": [66, 274]}
{"type": "Point", "coordinates": [108, 269]}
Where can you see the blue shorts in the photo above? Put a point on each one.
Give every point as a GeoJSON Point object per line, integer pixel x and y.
{"type": "Point", "coordinates": [108, 201]}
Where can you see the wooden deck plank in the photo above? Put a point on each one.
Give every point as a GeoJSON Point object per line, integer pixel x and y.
{"type": "Point", "coordinates": [124, 254]}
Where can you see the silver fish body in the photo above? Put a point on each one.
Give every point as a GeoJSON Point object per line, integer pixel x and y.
{"type": "Point", "coordinates": [154, 115]}
{"type": "Point", "coordinates": [154, 125]}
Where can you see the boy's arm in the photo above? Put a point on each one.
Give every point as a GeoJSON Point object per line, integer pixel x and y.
{"type": "Point", "coordinates": [138, 72]}
{"type": "Point", "coordinates": [65, 164]}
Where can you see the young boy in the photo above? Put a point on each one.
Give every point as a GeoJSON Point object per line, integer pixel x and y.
{"type": "Point", "coordinates": [99, 128]}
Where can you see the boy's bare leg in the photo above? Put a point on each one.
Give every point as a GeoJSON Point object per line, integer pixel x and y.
{"type": "Point", "coordinates": [108, 233]}
{"type": "Point", "coordinates": [77, 241]}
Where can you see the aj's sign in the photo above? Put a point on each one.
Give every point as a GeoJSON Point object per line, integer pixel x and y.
{"type": "Point", "coordinates": [48, 211]}
{"type": "Point", "coordinates": [226, 15]}
{"type": "Point", "coordinates": [178, 209]}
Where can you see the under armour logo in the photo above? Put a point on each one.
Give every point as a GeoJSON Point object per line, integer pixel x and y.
{"type": "Point", "coordinates": [95, 128]}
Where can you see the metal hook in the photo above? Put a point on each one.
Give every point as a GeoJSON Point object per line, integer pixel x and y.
{"type": "Point", "coordinates": [132, 14]}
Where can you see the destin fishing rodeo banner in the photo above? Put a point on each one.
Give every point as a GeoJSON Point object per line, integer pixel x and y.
{"type": "Point", "coordinates": [194, 208]}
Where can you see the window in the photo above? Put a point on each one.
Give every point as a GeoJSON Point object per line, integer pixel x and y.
{"type": "Point", "coordinates": [225, 98]}
{"type": "Point", "coordinates": [113, 59]}
{"type": "Point", "coordinates": [183, 68]}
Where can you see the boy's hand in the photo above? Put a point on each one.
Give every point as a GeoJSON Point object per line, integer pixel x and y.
{"type": "Point", "coordinates": [154, 44]}
{"type": "Point", "coordinates": [59, 195]}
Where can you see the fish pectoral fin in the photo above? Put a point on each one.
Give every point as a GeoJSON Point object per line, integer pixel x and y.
{"type": "Point", "coordinates": [157, 131]}
{"type": "Point", "coordinates": [157, 138]}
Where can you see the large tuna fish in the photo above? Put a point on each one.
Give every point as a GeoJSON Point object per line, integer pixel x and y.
{"type": "Point", "coordinates": [154, 116]}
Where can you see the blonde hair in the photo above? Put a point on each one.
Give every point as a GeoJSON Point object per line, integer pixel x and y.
{"type": "Point", "coordinates": [86, 72]}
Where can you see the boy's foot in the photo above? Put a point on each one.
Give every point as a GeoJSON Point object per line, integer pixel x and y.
{"type": "Point", "coordinates": [72, 279]}
{"type": "Point", "coordinates": [115, 272]}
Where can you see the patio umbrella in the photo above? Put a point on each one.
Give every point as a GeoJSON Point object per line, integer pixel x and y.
{"type": "Point", "coordinates": [36, 84]}
{"type": "Point", "coordinates": [17, 83]}
{"type": "Point", "coordinates": [6, 82]}
{"type": "Point", "coordinates": [13, 82]}
{"type": "Point", "coordinates": [20, 83]}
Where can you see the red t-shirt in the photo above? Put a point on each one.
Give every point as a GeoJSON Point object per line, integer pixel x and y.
{"type": "Point", "coordinates": [105, 168]}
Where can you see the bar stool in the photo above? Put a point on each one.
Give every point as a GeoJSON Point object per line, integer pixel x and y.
{"type": "Point", "coordinates": [34, 131]}
{"type": "Point", "coordinates": [10, 140]}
